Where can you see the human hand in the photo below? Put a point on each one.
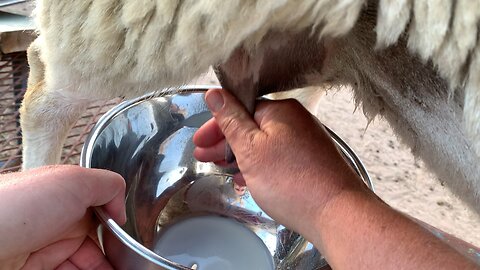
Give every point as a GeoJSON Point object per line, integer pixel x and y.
{"type": "Point", "coordinates": [295, 173]}
{"type": "Point", "coordinates": [286, 158]}
{"type": "Point", "coordinates": [45, 220]}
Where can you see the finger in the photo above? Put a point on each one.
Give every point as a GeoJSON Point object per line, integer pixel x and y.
{"type": "Point", "coordinates": [77, 253]}
{"type": "Point", "coordinates": [67, 265]}
{"type": "Point", "coordinates": [89, 256]}
{"type": "Point", "coordinates": [106, 189]}
{"type": "Point", "coordinates": [52, 256]}
{"type": "Point", "coordinates": [288, 111]}
{"type": "Point", "coordinates": [214, 153]}
{"type": "Point", "coordinates": [35, 233]}
{"type": "Point", "coordinates": [232, 118]}
{"type": "Point", "coordinates": [209, 134]}
{"type": "Point", "coordinates": [238, 178]}
{"type": "Point", "coordinates": [80, 188]}
{"type": "Point", "coordinates": [49, 202]}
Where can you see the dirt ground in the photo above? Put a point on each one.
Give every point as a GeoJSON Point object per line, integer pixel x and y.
{"type": "Point", "coordinates": [399, 179]}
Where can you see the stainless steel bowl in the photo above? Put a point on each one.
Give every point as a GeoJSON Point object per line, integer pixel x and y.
{"type": "Point", "coordinates": [148, 141]}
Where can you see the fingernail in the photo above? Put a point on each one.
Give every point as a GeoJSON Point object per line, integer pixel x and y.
{"type": "Point", "coordinates": [214, 100]}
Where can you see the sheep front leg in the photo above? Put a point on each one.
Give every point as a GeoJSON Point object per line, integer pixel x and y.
{"type": "Point", "coordinates": [46, 118]}
{"type": "Point", "coordinates": [47, 113]}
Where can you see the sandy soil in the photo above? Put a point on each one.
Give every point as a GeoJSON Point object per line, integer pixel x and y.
{"type": "Point", "coordinates": [399, 179]}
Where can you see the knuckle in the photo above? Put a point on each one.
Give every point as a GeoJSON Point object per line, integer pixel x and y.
{"type": "Point", "coordinates": [74, 171]}
{"type": "Point", "coordinates": [291, 103]}
{"type": "Point", "coordinates": [231, 126]}
{"type": "Point", "coordinates": [249, 145]}
{"type": "Point", "coordinates": [71, 170]}
{"type": "Point", "coordinates": [242, 140]}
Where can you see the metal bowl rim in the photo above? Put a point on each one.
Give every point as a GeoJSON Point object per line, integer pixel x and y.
{"type": "Point", "coordinates": [106, 220]}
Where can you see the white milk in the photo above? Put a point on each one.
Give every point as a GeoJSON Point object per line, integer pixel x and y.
{"type": "Point", "coordinates": [213, 243]}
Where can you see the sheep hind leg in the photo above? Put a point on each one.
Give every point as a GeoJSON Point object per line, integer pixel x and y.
{"type": "Point", "coordinates": [435, 134]}
{"type": "Point", "coordinates": [46, 117]}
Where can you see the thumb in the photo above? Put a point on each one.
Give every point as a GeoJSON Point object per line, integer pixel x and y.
{"type": "Point", "coordinates": [232, 118]}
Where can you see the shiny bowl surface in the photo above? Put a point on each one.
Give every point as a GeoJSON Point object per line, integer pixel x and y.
{"type": "Point", "coordinates": [148, 141]}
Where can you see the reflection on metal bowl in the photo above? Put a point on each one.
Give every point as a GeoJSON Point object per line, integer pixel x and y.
{"type": "Point", "coordinates": [148, 141]}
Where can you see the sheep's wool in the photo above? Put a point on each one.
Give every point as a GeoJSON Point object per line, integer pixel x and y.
{"type": "Point", "coordinates": [146, 44]}
{"type": "Point", "coordinates": [100, 49]}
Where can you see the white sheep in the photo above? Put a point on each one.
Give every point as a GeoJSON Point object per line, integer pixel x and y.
{"type": "Point", "coordinates": [417, 63]}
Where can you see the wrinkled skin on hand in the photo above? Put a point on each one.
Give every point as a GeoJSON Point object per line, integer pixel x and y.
{"type": "Point", "coordinates": [286, 158]}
